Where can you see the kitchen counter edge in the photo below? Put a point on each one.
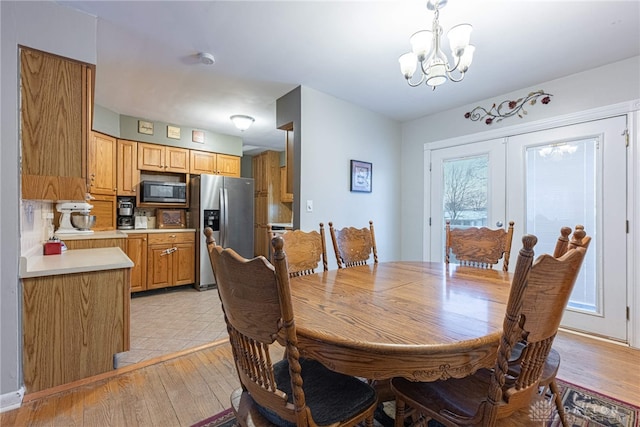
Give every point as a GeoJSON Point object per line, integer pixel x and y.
{"type": "Point", "coordinates": [74, 261]}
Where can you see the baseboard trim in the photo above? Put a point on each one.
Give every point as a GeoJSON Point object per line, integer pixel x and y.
{"type": "Point", "coordinates": [116, 372]}
{"type": "Point", "coordinates": [13, 400]}
{"type": "Point", "coordinates": [594, 337]}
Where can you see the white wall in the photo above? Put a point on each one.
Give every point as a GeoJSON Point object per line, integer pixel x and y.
{"type": "Point", "coordinates": [56, 29]}
{"type": "Point", "coordinates": [333, 132]}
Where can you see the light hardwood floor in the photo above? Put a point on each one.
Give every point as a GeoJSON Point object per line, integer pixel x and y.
{"type": "Point", "coordinates": [183, 390]}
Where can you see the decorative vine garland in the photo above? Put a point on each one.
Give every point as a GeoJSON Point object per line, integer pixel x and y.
{"type": "Point", "coordinates": [512, 108]}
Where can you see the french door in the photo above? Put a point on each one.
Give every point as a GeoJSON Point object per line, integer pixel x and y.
{"type": "Point", "coordinates": [467, 188]}
{"type": "Point", "coordinates": [577, 175]}
{"type": "Point", "coordinates": [558, 177]}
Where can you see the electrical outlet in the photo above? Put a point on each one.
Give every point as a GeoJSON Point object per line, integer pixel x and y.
{"type": "Point", "coordinates": [309, 205]}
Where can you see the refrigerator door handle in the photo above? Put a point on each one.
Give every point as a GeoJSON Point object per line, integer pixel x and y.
{"type": "Point", "coordinates": [225, 209]}
{"type": "Point", "coordinates": [224, 215]}
{"type": "Point", "coordinates": [221, 217]}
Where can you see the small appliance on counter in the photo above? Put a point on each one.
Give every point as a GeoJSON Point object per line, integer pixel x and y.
{"type": "Point", "coordinates": [141, 222]}
{"type": "Point", "coordinates": [125, 218]}
{"type": "Point", "coordinates": [75, 218]}
{"type": "Point", "coordinates": [54, 246]}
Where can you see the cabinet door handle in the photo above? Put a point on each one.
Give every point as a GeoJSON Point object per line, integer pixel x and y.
{"type": "Point", "coordinates": [168, 251]}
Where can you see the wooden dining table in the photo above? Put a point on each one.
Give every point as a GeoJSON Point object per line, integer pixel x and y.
{"type": "Point", "coordinates": [420, 320]}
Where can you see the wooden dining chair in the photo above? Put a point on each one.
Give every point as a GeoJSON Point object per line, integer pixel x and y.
{"type": "Point", "coordinates": [293, 391]}
{"type": "Point", "coordinates": [304, 251]}
{"type": "Point", "coordinates": [539, 293]}
{"type": "Point", "coordinates": [353, 246]}
{"type": "Point", "coordinates": [547, 385]}
{"type": "Point", "coordinates": [479, 247]}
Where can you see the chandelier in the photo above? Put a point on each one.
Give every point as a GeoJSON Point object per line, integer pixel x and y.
{"type": "Point", "coordinates": [426, 50]}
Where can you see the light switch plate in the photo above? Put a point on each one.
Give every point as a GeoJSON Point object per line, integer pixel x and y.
{"type": "Point", "coordinates": [309, 205]}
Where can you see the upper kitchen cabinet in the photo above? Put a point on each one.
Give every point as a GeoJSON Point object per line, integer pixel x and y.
{"type": "Point", "coordinates": [102, 164]}
{"type": "Point", "coordinates": [56, 115]}
{"type": "Point", "coordinates": [213, 163]}
{"type": "Point", "coordinates": [161, 158]}
{"type": "Point", "coordinates": [128, 174]}
{"type": "Point", "coordinates": [228, 165]}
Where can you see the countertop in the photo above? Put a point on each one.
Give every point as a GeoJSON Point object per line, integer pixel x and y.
{"type": "Point", "coordinates": [74, 261]}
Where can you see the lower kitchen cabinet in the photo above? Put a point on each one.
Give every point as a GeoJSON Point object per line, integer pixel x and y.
{"type": "Point", "coordinates": [137, 252]}
{"type": "Point", "coordinates": [170, 259]}
{"type": "Point", "coordinates": [161, 259]}
{"type": "Point", "coordinates": [73, 325]}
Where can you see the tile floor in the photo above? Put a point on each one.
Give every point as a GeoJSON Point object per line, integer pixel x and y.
{"type": "Point", "coordinates": [168, 320]}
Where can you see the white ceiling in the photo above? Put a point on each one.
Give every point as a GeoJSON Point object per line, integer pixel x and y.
{"type": "Point", "coordinates": [148, 67]}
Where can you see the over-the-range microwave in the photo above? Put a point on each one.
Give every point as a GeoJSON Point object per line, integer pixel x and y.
{"type": "Point", "coordinates": [163, 192]}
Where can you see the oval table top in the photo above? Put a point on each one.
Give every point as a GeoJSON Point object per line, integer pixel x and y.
{"type": "Point", "coordinates": [420, 320]}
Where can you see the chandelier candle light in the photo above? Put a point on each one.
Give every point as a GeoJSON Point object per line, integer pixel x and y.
{"type": "Point", "coordinates": [426, 50]}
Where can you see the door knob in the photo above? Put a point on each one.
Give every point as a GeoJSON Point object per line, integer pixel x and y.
{"type": "Point", "coordinates": [499, 224]}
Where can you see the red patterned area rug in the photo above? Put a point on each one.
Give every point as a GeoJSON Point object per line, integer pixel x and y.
{"type": "Point", "coordinates": [225, 418]}
{"type": "Point", "coordinates": [584, 408]}
{"type": "Point", "coordinates": [588, 408]}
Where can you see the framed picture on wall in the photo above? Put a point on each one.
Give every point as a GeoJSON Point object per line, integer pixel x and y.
{"type": "Point", "coordinates": [361, 176]}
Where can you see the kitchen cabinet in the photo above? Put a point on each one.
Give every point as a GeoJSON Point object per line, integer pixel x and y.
{"type": "Point", "coordinates": [214, 163]}
{"type": "Point", "coordinates": [73, 325]}
{"type": "Point", "coordinates": [202, 162]}
{"type": "Point", "coordinates": [170, 259]}
{"type": "Point", "coordinates": [137, 251]}
{"type": "Point", "coordinates": [93, 242]}
{"type": "Point", "coordinates": [285, 196]}
{"type": "Point", "coordinates": [268, 205]}
{"type": "Point", "coordinates": [41, 187]}
{"type": "Point", "coordinates": [227, 165]}
{"type": "Point", "coordinates": [56, 101]}
{"type": "Point", "coordinates": [162, 158]}
{"type": "Point", "coordinates": [102, 164]}
{"type": "Point", "coordinates": [127, 172]}
{"type": "Point", "coordinates": [104, 208]}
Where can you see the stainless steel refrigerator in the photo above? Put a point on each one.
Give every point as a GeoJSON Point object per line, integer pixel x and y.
{"type": "Point", "coordinates": [226, 205]}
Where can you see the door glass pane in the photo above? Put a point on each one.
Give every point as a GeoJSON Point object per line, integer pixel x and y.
{"type": "Point", "coordinates": [465, 192]}
{"type": "Point", "coordinates": [561, 190]}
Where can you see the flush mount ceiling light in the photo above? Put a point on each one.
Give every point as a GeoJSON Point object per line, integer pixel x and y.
{"type": "Point", "coordinates": [206, 58]}
{"type": "Point", "coordinates": [242, 122]}
{"type": "Point", "coordinates": [426, 50]}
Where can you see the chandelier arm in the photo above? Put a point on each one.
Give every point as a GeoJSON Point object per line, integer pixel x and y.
{"type": "Point", "coordinates": [453, 79]}
{"type": "Point", "coordinates": [416, 84]}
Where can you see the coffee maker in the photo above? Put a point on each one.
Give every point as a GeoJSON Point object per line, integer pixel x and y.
{"type": "Point", "coordinates": [125, 218]}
